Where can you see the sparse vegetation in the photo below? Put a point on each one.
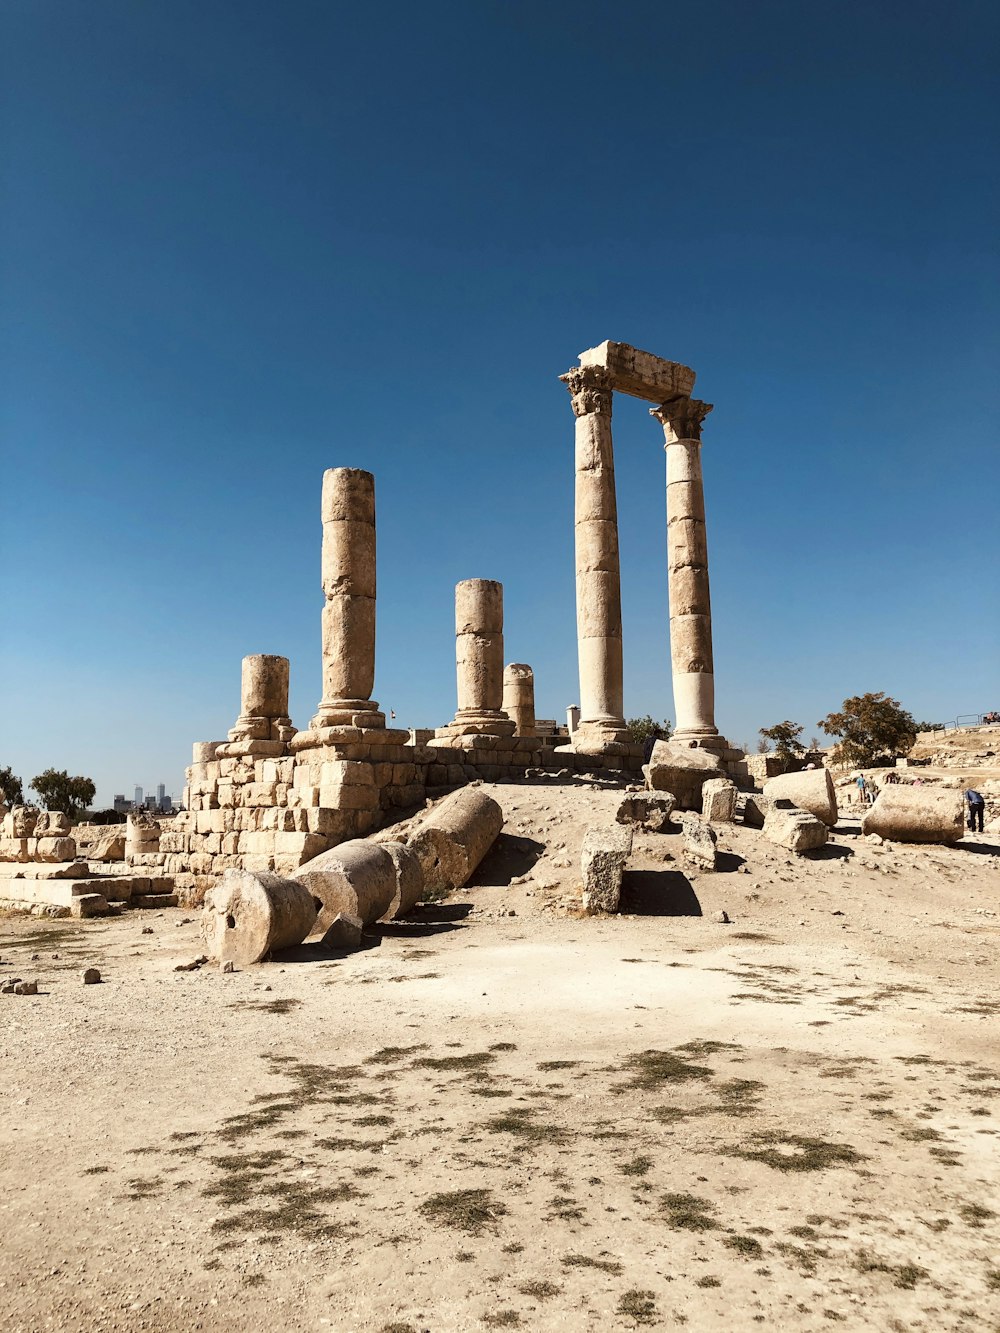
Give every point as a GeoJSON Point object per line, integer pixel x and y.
{"type": "Point", "coordinates": [807, 1154]}
{"type": "Point", "coordinates": [471, 1210]}
{"type": "Point", "coordinates": [637, 1305]}
{"type": "Point", "coordinates": [584, 1261]}
{"type": "Point", "coordinates": [687, 1212]}
{"type": "Point", "coordinates": [903, 1275]}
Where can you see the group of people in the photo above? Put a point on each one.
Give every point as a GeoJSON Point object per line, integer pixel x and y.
{"type": "Point", "coordinates": [991, 717]}
{"type": "Point", "coordinates": [868, 794]}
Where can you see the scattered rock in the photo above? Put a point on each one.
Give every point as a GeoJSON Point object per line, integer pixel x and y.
{"type": "Point", "coordinates": [699, 841]}
{"type": "Point", "coordinates": [795, 829]}
{"type": "Point", "coordinates": [682, 770]}
{"type": "Point", "coordinates": [25, 987]}
{"type": "Point", "coordinates": [602, 861]}
{"type": "Point", "coordinates": [721, 917]}
{"type": "Point", "coordinates": [147, 930]}
{"type": "Point", "coordinates": [344, 933]}
{"type": "Point", "coordinates": [91, 976]}
{"type": "Point", "coordinates": [228, 966]}
{"type": "Point", "coordinates": [200, 961]}
{"type": "Point", "coordinates": [718, 800]}
{"type": "Point", "coordinates": [650, 810]}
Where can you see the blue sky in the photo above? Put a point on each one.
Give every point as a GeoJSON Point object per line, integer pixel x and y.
{"type": "Point", "coordinates": [246, 242]}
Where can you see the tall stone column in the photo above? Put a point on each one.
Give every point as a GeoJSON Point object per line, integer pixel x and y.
{"type": "Point", "coordinates": [519, 697]}
{"type": "Point", "coordinates": [348, 510]}
{"type": "Point", "coordinates": [263, 699]}
{"type": "Point", "coordinates": [479, 660]}
{"type": "Point", "coordinates": [687, 572]}
{"type": "Point", "coordinates": [598, 578]}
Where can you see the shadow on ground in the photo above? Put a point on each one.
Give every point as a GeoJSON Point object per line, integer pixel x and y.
{"type": "Point", "coordinates": [659, 893]}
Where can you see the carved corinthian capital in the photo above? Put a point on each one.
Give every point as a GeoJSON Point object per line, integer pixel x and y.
{"type": "Point", "coordinates": [681, 418]}
{"type": "Point", "coordinates": [590, 390]}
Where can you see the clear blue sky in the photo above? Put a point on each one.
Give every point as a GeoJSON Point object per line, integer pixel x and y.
{"type": "Point", "coordinates": [244, 242]}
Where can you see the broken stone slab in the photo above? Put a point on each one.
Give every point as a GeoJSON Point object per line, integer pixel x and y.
{"type": "Point", "coordinates": [798, 830]}
{"type": "Point", "coordinates": [20, 822]}
{"type": "Point", "coordinates": [250, 915]}
{"type": "Point", "coordinates": [356, 878]}
{"type": "Point", "coordinates": [755, 809]}
{"type": "Point", "coordinates": [916, 814]}
{"type": "Point", "coordinates": [25, 987]}
{"type": "Point", "coordinates": [452, 839]}
{"type": "Point", "coordinates": [650, 810]}
{"type": "Point", "coordinates": [810, 789]}
{"type": "Point", "coordinates": [699, 841]}
{"type": "Point", "coordinates": [343, 934]}
{"type": "Point", "coordinates": [718, 800]}
{"type": "Point", "coordinates": [52, 824]}
{"type": "Point", "coordinates": [54, 849]}
{"type": "Point", "coordinates": [682, 770]}
{"type": "Point", "coordinates": [409, 880]}
{"type": "Point", "coordinates": [603, 857]}
{"type": "Point", "coordinates": [86, 905]}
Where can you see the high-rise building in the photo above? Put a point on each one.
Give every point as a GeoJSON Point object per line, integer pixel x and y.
{"type": "Point", "coordinates": [121, 805]}
{"type": "Point", "coordinates": [137, 802]}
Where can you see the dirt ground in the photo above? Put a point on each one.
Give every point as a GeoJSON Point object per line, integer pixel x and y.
{"type": "Point", "coordinates": [504, 1115]}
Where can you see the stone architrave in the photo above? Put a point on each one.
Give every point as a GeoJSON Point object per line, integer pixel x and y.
{"type": "Point", "coordinates": [687, 562]}
{"type": "Point", "coordinates": [598, 575]}
{"type": "Point", "coordinates": [263, 700]}
{"type": "Point", "coordinates": [519, 697]}
{"type": "Point", "coordinates": [348, 510]}
{"type": "Point", "coordinates": [479, 661]}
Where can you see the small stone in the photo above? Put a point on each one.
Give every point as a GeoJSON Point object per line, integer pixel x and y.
{"type": "Point", "coordinates": [229, 966]}
{"type": "Point", "coordinates": [35, 957]}
{"type": "Point", "coordinates": [91, 976]}
{"type": "Point", "coordinates": [722, 918]}
{"type": "Point", "coordinates": [344, 933]}
{"type": "Point", "coordinates": [26, 988]}
{"type": "Point", "coordinates": [147, 930]}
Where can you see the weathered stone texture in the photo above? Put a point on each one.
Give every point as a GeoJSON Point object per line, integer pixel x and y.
{"type": "Point", "coordinates": [357, 878]}
{"type": "Point", "coordinates": [797, 830]}
{"type": "Point", "coordinates": [810, 789]}
{"type": "Point", "coordinates": [603, 858]}
{"type": "Point", "coordinates": [682, 770]}
{"type": "Point", "coordinates": [699, 841]}
{"type": "Point", "coordinates": [916, 814]}
{"type": "Point", "coordinates": [519, 697]}
{"type": "Point", "coordinates": [249, 916]}
{"type": "Point", "coordinates": [650, 810]}
{"type": "Point", "coordinates": [453, 838]}
{"type": "Point", "coordinates": [718, 800]}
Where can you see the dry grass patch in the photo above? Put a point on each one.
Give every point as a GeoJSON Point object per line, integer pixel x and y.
{"type": "Point", "coordinates": [650, 1070]}
{"type": "Point", "coordinates": [584, 1261]}
{"type": "Point", "coordinates": [638, 1305]}
{"type": "Point", "coordinates": [687, 1212]}
{"type": "Point", "coordinates": [541, 1291]}
{"type": "Point", "coordinates": [797, 1152]}
{"type": "Point", "coordinates": [471, 1211]}
{"type": "Point", "coordinates": [903, 1275]}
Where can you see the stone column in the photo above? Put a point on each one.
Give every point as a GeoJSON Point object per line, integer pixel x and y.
{"type": "Point", "coordinates": [479, 660]}
{"type": "Point", "coordinates": [348, 510]}
{"type": "Point", "coordinates": [687, 566]}
{"type": "Point", "coordinates": [263, 700]}
{"type": "Point", "coordinates": [598, 580]}
{"type": "Point", "coordinates": [519, 697]}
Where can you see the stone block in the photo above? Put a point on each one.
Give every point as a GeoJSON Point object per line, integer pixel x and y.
{"type": "Point", "coordinates": [718, 800]}
{"type": "Point", "coordinates": [640, 374]}
{"type": "Point", "coordinates": [451, 839]}
{"type": "Point", "coordinates": [755, 808]}
{"type": "Point", "coordinates": [349, 798]}
{"type": "Point", "coordinates": [699, 841]}
{"type": "Point", "coordinates": [603, 858]}
{"type": "Point", "coordinates": [346, 773]}
{"type": "Point", "coordinates": [344, 934]}
{"type": "Point", "coordinates": [797, 830]}
{"type": "Point", "coordinates": [248, 916]}
{"type": "Point", "coordinates": [650, 810]}
{"type": "Point", "coordinates": [683, 771]}
{"type": "Point", "coordinates": [88, 905]}
{"type": "Point", "coordinates": [52, 824]}
{"type": "Point", "coordinates": [54, 849]}
{"type": "Point", "coordinates": [809, 789]}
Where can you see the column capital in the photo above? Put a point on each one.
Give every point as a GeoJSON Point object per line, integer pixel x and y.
{"type": "Point", "coordinates": [590, 389]}
{"type": "Point", "coordinates": [681, 418]}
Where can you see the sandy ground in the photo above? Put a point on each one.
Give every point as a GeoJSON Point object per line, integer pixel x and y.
{"type": "Point", "coordinates": [503, 1115]}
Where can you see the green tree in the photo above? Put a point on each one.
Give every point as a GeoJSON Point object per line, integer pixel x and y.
{"type": "Point", "coordinates": [785, 736]}
{"type": "Point", "coordinates": [870, 727]}
{"type": "Point", "coordinates": [929, 726]}
{"type": "Point", "coordinates": [641, 728]}
{"type": "Point", "coordinates": [11, 790]}
{"type": "Point", "coordinates": [58, 791]}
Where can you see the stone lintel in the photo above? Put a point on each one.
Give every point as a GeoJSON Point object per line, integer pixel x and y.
{"type": "Point", "coordinates": [640, 374]}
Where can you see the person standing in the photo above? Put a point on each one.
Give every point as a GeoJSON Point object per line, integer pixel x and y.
{"type": "Point", "coordinates": [977, 808]}
{"type": "Point", "coordinates": [862, 789]}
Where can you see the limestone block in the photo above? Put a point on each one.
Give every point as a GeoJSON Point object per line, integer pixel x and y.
{"type": "Point", "coordinates": [52, 824]}
{"type": "Point", "coordinates": [699, 841]}
{"type": "Point", "coordinates": [452, 839]}
{"type": "Point", "coordinates": [15, 849]}
{"type": "Point", "coordinates": [110, 846]}
{"type": "Point", "coordinates": [346, 773]}
{"type": "Point", "coordinates": [718, 800]}
{"type": "Point", "coordinates": [640, 373]}
{"type": "Point", "coordinates": [603, 857]}
{"type": "Point", "coordinates": [755, 808]}
{"type": "Point", "coordinates": [336, 797]}
{"type": "Point", "coordinates": [249, 916]}
{"type": "Point", "coordinates": [682, 770]}
{"type": "Point", "coordinates": [20, 822]}
{"type": "Point", "coordinates": [89, 905]}
{"type": "Point", "coordinates": [519, 697]}
{"type": "Point", "coordinates": [811, 789]}
{"type": "Point", "coordinates": [916, 814]}
{"type": "Point", "coordinates": [409, 880]}
{"type": "Point", "coordinates": [798, 830]}
{"type": "Point", "coordinates": [650, 810]}
{"type": "Point", "coordinates": [357, 878]}
{"type": "Point", "coordinates": [344, 934]}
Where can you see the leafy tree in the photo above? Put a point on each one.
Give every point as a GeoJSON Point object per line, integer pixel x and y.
{"type": "Point", "coordinates": [929, 726]}
{"type": "Point", "coordinates": [786, 739]}
{"type": "Point", "coordinates": [59, 791]}
{"type": "Point", "coordinates": [870, 727]}
{"type": "Point", "coordinates": [641, 728]}
{"type": "Point", "coordinates": [11, 790]}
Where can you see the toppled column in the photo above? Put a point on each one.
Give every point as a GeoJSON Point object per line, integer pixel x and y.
{"type": "Point", "coordinates": [348, 510]}
{"type": "Point", "coordinates": [409, 880]}
{"type": "Point", "coordinates": [356, 879]}
{"type": "Point", "coordinates": [250, 915]}
{"type": "Point", "coordinates": [916, 814]}
{"type": "Point", "coordinates": [479, 661]}
{"type": "Point", "coordinates": [811, 789]}
{"type": "Point", "coordinates": [519, 697]}
{"type": "Point", "coordinates": [454, 837]}
{"type": "Point", "coordinates": [687, 572]}
{"type": "Point", "coordinates": [603, 857]}
{"type": "Point", "coordinates": [718, 800]}
{"type": "Point", "coordinates": [263, 702]}
{"type": "Point", "coordinates": [598, 575]}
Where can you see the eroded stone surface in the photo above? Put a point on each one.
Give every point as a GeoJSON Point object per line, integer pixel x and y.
{"type": "Point", "coordinates": [699, 840]}
{"type": "Point", "coordinates": [650, 810]}
{"type": "Point", "coordinates": [798, 830]}
{"type": "Point", "coordinates": [682, 770]}
{"type": "Point", "coordinates": [603, 858]}
{"type": "Point", "coordinates": [810, 789]}
{"type": "Point", "coordinates": [453, 838]}
{"type": "Point", "coordinates": [718, 800]}
{"type": "Point", "coordinates": [916, 814]}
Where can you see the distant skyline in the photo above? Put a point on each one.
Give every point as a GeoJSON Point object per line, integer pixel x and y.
{"type": "Point", "coordinates": [244, 243]}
